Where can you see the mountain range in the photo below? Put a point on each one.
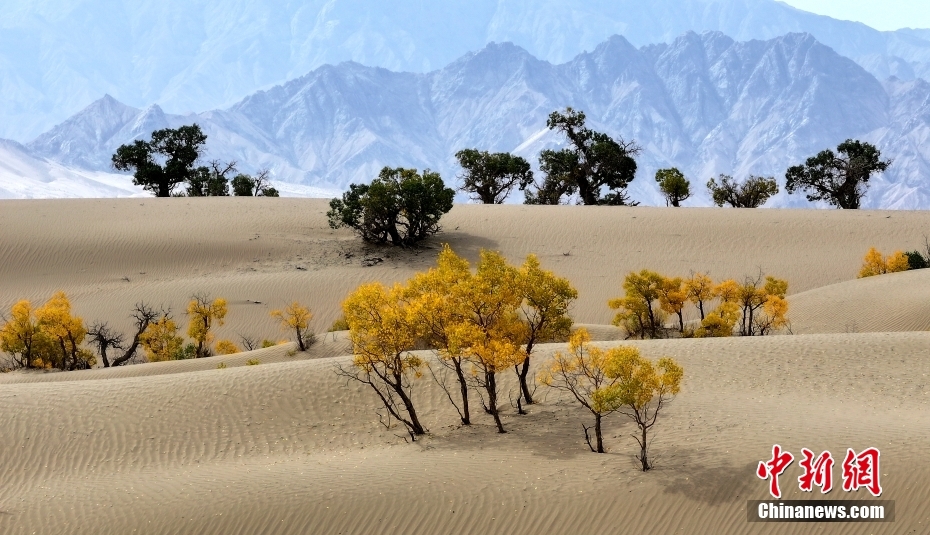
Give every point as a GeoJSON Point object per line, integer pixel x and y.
{"type": "Point", "coordinates": [56, 56]}
{"type": "Point", "coordinates": [704, 103]}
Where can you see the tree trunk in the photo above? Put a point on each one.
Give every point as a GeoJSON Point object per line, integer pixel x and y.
{"type": "Point", "coordinates": [300, 341]}
{"type": "Point", "coordinates": [681, 322]}
{"type": "Point", "coordinates": [415, 426]}
{"type": "Point", "coordinates": [466, 415]}
{"type": "Point", "coordinates": [642, 457]}
{"type": "Point", "coordinates": [103, 355]}
{"type": "Point", "coordinates": [491, 383]}
{"type": "Point", "coordinates": [597, 433]}
{"type": "Point", "coordinates": [523, 373]}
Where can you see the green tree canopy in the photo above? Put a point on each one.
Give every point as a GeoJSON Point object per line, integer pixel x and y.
{"type": "Point", "coordinates": [165, 161]}
{"type": "Point", "coordinates": [674, 185]}
{"type": "Point", "coordinates": [752, 193]}
{"type": "Point", "coordinates": [839, 178]}
{"type": "Point", "coordinates": [595, 166]}
{"type": "Point", "coordinates": [401, 206]}
{"type": "Point", "coordinates": [491, 177]}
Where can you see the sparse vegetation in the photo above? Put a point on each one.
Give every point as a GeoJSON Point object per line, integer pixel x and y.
{"type": "Point", "coordinates": [339, 324]}
{"type": "Point", "coordinates": [227, 347]}
{"type": "Point", "coordinates": [253, 362]}
{"type": "Point", "coordinates": [757, 306]}
{"type": "Point", "coordinates": [876, 264]}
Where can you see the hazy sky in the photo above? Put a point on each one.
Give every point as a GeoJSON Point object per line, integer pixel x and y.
{"type": "Point", "coordinates": [879, 14]}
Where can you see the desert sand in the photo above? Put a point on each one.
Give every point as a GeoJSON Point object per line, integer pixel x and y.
{"type": "Point", "coordinates": [288, 447]}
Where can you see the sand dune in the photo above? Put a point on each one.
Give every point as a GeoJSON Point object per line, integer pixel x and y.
{"type": "Point", "coordinates": [110, 253]}
{"type": "Point", "coordinates": [287, 446]}
{"type": "Point", "coordinates": [892, 302]}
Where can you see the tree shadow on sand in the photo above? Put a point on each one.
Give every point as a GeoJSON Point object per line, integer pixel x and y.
{"type": "Point", "coordinates": [711, 485]}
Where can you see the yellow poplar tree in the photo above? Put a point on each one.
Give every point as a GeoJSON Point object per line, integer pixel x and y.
{"type": "Point", "coordinates": [875, 264]}
{"type": "Point", "coordinates": [203, 313]}
{"type": "Point", "coordinates": [582, 372]}
{"type": "Point", "coordinates": [639, 314]}
{"type": "Point", "coordinates": [546, 300]}
{"type": "Point", "coordinates": [435, 302]}
{"type": "Point", "coordinates": [492, 337]}
{"type": "Point", "coordinates": [672, 298]}
{"type": "Point", "coordinates": [23, 339]}
{"type": "Point", "coordinates": [227, 347]}
{"type": "Point", "coordinates": [643, 388]}
{"type": "Point", "coordinates": [161, 341]}
{"type": "Point", "coordinates": [295, 317]}
{"type": "Point", "coordinates": [383, 336]}
{"type": "Point", "coordinates": [720, 322]}
{"type": "Point", "coordinates": [700, 290]}
{"type": "Point", "coordinates": [67, 333]}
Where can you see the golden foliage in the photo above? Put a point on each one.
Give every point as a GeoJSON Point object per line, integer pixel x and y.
{"type": "Point", "coordinates": [22, 337]}
{"type": "Point", "coordinates": [66, 331]}
{"type": "Point", "coordinates": [381, 331]}
{"type": "Point", "coordinates": [203, 314]}
{"type": "Point", "coordinates": [583, 373]}
{"type": "Point", "coordinates": [161, 341]}
{"type": "Point", "coordinates": [295, 317]}
{"type": "Point", "coordinates": [876, 264]}
{"type": "Point", "coordinates": [720, 322]}
{"type": "Point", "coordinates": [728, 291]}
{"type": "Point", "coordinates": [546, 300]}
{"type": "Point", "coordinates": [700, 289]}
{"type": "Point", "coordinates": [638, 313]}
{"type": "Point", "coordinates": [227, 347]}
{"type": "Point", "coordinates": [340, 324]}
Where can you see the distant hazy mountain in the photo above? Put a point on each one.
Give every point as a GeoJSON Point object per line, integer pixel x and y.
{"type": "Point", "coordinates": [25, 176]}
{"type": "Point", "coordinates": [188, 55]}
{"type": "Point", "coordinates": [704, 103]}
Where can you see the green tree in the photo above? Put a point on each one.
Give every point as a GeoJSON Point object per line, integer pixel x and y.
{"type": "Point", "coordinates": [162, 163]}
{"type": "Point", "coordinates": [211, 181]}
{"type": "Point", "coordinates": [840, 178]}
{"type": "Point", "coordinates": [750, 194]}
{"type": "Point", "coordinates": [401, 206]}
{"type": "Point", "coordinates": [253, 186]}
{"type": "Point", "coordinates": [674, 185]}
{"type": "Point", "coordinates": [491, 177]}
{"type": "Point", "coordinates": [594, 162]}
